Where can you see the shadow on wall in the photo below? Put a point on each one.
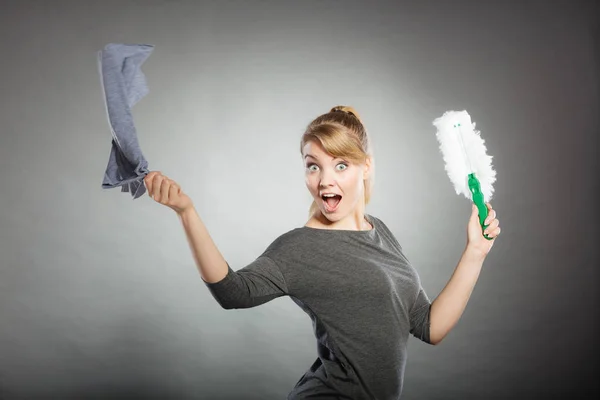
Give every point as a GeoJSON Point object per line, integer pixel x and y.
{"type": "Point", "coordinates": [134, 358]}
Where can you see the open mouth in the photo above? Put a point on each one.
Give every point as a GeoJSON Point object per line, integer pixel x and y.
{"type": "Point", "coordinates": [331, 202]}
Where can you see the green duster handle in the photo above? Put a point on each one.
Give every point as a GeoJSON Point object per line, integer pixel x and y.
{"type": "Point", "coordinates": [475, 188]}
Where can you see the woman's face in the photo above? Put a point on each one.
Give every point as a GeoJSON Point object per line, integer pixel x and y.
{"type": "Point", "coordinates": [336, 184]}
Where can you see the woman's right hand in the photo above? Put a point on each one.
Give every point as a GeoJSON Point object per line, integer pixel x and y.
{"type": "Point", "coordinates": [167, 192]}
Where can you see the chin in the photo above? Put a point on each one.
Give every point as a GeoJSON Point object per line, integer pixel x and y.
{"type": "Point", "coordinates": [336, 216]}
{"type": "Point", "coordinates": [331, 218]}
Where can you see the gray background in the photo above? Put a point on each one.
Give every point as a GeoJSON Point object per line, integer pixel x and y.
{"type": "Point", "coordinates": [99, 295]}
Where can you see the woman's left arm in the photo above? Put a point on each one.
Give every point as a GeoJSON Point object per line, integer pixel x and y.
{"type": "Point", "coordinates": [448, 307]}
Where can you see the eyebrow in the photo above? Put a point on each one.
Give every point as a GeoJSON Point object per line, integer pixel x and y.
{"type": "Point", "coordinates": [311, 156]}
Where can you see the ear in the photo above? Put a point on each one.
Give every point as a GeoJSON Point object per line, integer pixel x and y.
{"type": "Point", "coordinates": [367, 168]}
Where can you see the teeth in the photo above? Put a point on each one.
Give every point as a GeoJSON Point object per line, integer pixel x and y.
{"type": "Point", "coordinates": [328, 195]}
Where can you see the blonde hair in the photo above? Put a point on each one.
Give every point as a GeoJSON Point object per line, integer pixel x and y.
{"type": "Point", "coordinates": [342, 134]}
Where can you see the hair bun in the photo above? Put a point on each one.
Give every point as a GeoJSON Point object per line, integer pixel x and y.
{"type": "Point", "coordinates": [346, 109]}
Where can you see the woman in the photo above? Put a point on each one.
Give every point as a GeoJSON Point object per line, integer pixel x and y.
{"type": "Point", "coordinates": [344, 268]}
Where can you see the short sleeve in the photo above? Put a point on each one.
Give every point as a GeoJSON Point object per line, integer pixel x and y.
{"type": "Point", "coordinates": [419, 317]}
{"type": "Point", "coordinates": [257, 283]}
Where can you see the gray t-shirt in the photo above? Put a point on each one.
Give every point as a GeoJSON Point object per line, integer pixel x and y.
{"type": "Point", "coordinates": [363, 297]}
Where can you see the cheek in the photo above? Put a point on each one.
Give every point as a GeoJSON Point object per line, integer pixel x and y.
{"type": "Point", "coordinates": [310, 184]}
{"type": "Point", "coordinates": [352, 183]}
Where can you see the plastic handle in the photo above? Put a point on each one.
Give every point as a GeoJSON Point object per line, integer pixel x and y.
{"type": "Point", "coordinates": [475, 188]}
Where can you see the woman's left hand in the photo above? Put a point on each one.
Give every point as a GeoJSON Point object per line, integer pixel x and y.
{"type": "Point", "coordinates": [475, 238]}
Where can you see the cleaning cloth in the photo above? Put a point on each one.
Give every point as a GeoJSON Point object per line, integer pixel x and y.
{"type": "Point", "coordinates": [123, 85]}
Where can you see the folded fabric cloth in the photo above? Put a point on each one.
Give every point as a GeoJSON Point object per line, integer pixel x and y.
{"type": "Point", "coordinates": [123, 85]}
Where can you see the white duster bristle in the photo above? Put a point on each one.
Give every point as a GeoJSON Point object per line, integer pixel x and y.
{"type": "Point", "coordinates": [460, 163]}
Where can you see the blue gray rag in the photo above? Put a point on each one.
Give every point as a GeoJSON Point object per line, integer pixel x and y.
{"type": "Point", "coordinates": [123, 85]}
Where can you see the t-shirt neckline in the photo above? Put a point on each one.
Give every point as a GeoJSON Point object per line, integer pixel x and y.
{"type": "Point", "coordinates": [368, 217]}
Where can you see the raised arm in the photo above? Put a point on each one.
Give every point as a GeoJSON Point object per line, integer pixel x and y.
{"type": "Point", "coordinates": [448, 307]}
{"type": "Point", "coordinates": [211, 264]}
{"type": "Point", "coordinates": [257, 283]}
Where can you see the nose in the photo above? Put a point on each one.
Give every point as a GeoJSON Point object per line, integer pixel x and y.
{"type": "Point", "coordinates": [327, 180]}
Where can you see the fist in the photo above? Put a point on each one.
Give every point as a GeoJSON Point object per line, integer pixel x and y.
{"type": "Point", "coordinates": [475, 238]}
{"type": "Point", "coordinates": [166, 192]}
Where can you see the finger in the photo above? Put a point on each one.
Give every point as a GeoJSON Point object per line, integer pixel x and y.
{"type": "Point", "coordinates": [148, 181]}
{"type": "Point", "coordinates": [173, 192]}
{"type": "Point", "coordinates": [491, 216]}
{"type": "Point", "coordinates": [177, 187]}
{"type": "Point", "coordinates": [492, 226]}
{"type": "Point", "coordinates": [164, 190]}
{"type": "Point", "coordinates": [153, 180]}
{"type": "Point", "coordinates": [156, 182]}
{"type": "Point", "coordinates": [152, 174]}
{"type": "Point", "coordinates": [495, 225]}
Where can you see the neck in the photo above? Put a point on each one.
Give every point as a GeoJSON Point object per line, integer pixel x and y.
{"type": "Point", "coordinates": [355, 221]}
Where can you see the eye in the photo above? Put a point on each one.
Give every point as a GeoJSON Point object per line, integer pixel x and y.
{"type": "Point", "coordinates": [342, 165]}
{"type": "Point", "coordinates": [312, 167]}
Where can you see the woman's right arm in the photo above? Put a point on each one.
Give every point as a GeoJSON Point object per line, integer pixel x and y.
{"type": "Point", "coordinates": [257, 283]}
{"type": "Point", "coordinates": [211, 264]}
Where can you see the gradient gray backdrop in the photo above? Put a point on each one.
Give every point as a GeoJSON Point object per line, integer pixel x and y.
{"type": "Point", "coordinates": [99, 294]}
